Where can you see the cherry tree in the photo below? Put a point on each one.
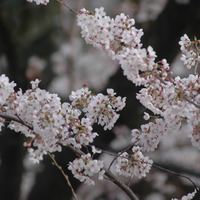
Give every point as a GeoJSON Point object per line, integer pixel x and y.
{"type": "Point", "coordinates": [49, 125]}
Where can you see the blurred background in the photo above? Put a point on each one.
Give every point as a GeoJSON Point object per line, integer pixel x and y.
{"type": "Point", "coordinates": [44, 42]}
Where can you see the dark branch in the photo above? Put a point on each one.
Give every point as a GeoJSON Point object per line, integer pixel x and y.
{"type": "Point", "coordinates": [16, 119]}
{"type": "Point", "coordinates": [64, 4]}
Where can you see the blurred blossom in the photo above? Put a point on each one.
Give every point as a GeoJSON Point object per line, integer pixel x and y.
{"type": "Point", "coordinates": [123, 137]}
{"type": "Point", "coordinates": [28, 177]}
{"type": "Point", "coordinates": [3, 63]}
{"type": "Point", "coordinates": [149, 10]}
{"type": "Point", "coordinates": [35, 66]}
{"type": "Point", "coordinates": [155, 196]}
{"type": "Point", "coordinates": [175, 148]}
{"type": "Point", "coordinates": [178, 68]}
{"type": "Point", "coordinates": [74, 65]}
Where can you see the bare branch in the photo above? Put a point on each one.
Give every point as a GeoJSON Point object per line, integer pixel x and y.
{"type": "Point", "coordinates": [164, 168]}
{"type": "Point", "coordinates": [64, 4]}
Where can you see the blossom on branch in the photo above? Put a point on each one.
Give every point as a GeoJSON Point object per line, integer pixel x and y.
{"type": "Point", "coordinates": [176, 101]}
{"type": "Point", "coordinates": [85, 167]}
{"type": "Point", "coordinates": [99, 108]}
{"type": "Point", "coordinates": [189, 196]}
{"type": "Point", "coordinates": [120, 39]}
{"type": "Point", "coordinates": [38, 2]}
{"type": "Point", "coordinates": [50, 124]}
{"type": "Point", "coordinates": [190, 50]}
{"type": "Point", "coordinates": [133, 165]}
{"type": "Point", "coordinates": [6, 90]}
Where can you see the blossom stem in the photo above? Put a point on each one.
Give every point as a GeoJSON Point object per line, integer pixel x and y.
{"type": "Point", "coordinates": [64, 4]}
{"type": "Point", "coordinates": [127, 148]}
{"type": "Point", "coordinates": [173, 172]}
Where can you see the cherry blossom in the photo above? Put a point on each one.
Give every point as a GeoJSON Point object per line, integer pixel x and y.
{"type": "Point", "coordinates": [190, 50]}
{"type": "Point", "coordinates": [189, 196]}
{"type": "Point", "coordinates": [38, 2]}
{"type": "Point", "coordinates": [133, 165]}
{"type": "Point", "coordinates": [6, 90]}
{"type": "Point", "coordinates": [85, 167]}
{"type": "Point", "coordinates": [49, 125]}
{"type": "Point", "coordinates": [105, 33]}
{"type": "Point", "coordinates": [100, 108]}
{"type": "Point", "coordinates": [170, 98]}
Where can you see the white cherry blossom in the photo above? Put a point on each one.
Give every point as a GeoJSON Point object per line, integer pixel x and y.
{"type": "Point", "coordinates": [38, 2]}
{"type": "Point", "coordinates": [133, 165]}
{"type": "Point", "coordinates": [189, 196]}
{"type": "Point", "coordinates": [85, 167]}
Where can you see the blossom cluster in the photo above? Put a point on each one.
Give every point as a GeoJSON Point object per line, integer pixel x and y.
{"type": "Point", "coordinates": [174, 100]}
{"type": "Point", "coordinates": [189, 196]}
{"type": "Point", "coordinates": [150, 134]}
{"type": "Point", "coordinates": [119, 38]}
{"type": "Point", "coordinates": [6, 95]}
{"type": "Point", "coordinates": [38, 2]}
{"type": "Point", "coordinates": [190, 51]}
{"type": "Point", "coordinates": [100, 108]}
{"type": "Point", "coordinates": [122, 41]}
{"type": "Point", "coordinates": [85, 167]}
{"type": "Point", "coordinates": [49, 123]}
{"type": "Point", "coordinates": [133, 165]}
{"type": "Point", "coordinates": [6, 89]}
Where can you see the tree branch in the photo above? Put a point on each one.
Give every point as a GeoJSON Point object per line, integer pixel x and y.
{"type": "Point", "coordinates": [64, 4]}
{"type": "Point", "coordinates": [109, 174]}
{"type": "Point", "coordinates": [176, 171]}
{"type": "Point", "coordinates": [16, 119]}
{"type": "Point", "coordinates": [123, 186]}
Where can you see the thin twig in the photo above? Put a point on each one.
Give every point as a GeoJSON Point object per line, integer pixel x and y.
{"type": "Point", "coordinates": [64, 4]}
{"type": "Point", "coordinates": [175, 173]}
{"type": "Point", "coordinates": [192, 102]}
{"type": "Point", "coordinates": [126, 149]}
{"type": "Point", "coordinates": [63, 173]}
